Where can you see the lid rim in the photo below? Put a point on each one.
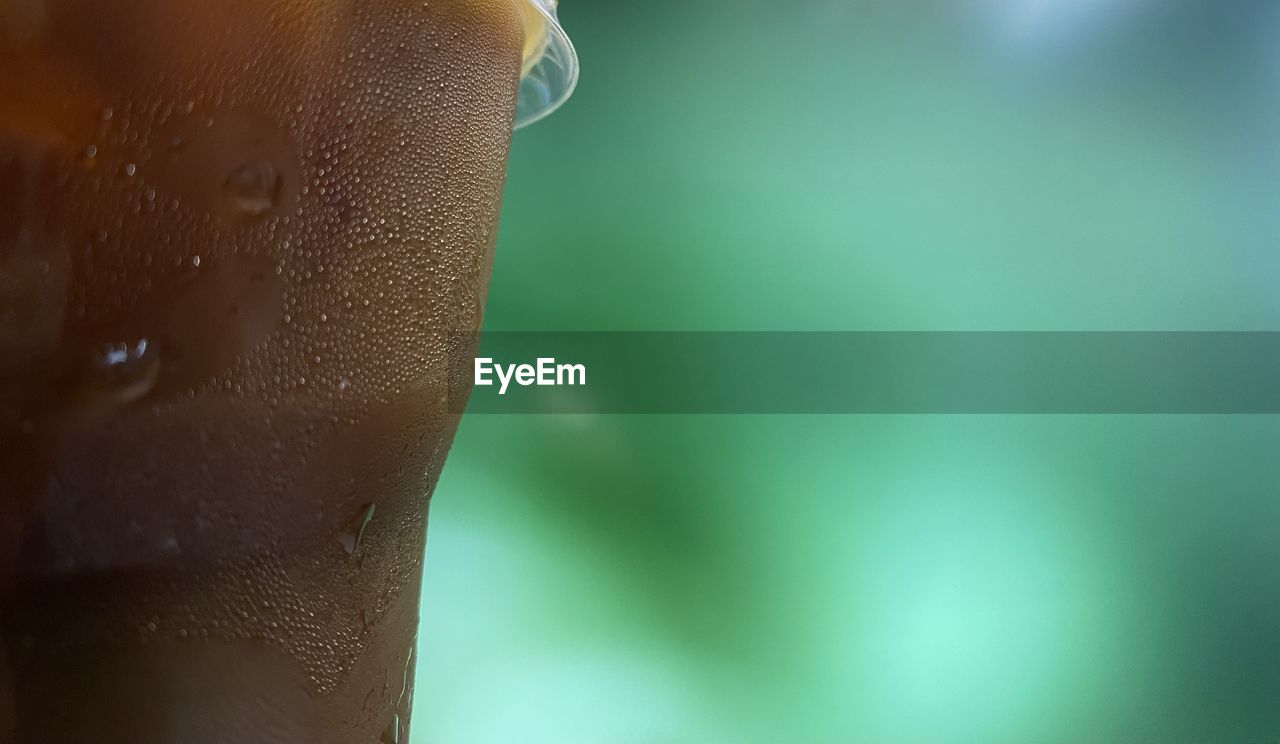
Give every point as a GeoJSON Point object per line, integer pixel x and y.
{"type": "Point", "coordinates": [554, 77]}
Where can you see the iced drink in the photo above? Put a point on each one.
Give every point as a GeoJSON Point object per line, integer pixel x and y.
{"type": "Point", "coordinates": [235, 236]}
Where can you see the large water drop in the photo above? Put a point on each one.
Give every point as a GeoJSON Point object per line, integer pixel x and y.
{"type": "Point", "coordinates": [122, 372]}
{"type": "Point", "coordinates": [253, 189]}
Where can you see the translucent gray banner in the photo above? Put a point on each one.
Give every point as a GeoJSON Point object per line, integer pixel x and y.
{"type": "Point", "coordinates": [866, 372]}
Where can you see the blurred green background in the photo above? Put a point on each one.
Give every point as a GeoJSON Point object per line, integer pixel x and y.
{"type": "Point", "coordinates": [858, 165]}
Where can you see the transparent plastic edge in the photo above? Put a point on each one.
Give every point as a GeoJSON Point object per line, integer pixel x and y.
{"type": "Point", "coordinates": [550, 82]}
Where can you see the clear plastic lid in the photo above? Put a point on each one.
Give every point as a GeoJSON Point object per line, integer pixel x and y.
{"type": "Point", "coordinates": [550, 64]}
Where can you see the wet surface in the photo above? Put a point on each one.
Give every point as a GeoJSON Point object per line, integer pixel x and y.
{"type": "Point", "coordinates": [234, 237]}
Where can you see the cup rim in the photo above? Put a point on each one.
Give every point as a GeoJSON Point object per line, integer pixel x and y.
{"type": "Point", "coordinates": [546, 85]}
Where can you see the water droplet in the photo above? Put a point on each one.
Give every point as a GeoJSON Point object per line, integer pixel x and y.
{"type": "Point", "coordinates": [131, 169]}
{"type": "Point", "coordinates": [253, 189]}
{"type": "Point", "coordinates": [404, 680]}
{"type": "Point", "coordinates": [391, 735]}
{"type": "Point", "coordinates": [353, 534]}
{"type": "Point", "coordinates": [122, 372]}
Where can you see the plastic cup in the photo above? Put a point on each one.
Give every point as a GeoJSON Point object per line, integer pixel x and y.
{"type": "Point", "coordinates": [236, 237]}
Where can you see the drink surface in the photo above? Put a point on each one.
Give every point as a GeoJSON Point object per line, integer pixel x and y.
{"type": "Point", "coordinates": [234, 235]}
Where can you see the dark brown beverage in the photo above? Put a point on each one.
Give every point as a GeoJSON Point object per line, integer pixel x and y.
{"type": "Point", "coordinates": [234, 238]}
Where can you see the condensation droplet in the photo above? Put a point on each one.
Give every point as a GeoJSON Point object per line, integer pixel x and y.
{"type": "Point", "coordinates": [391, 735]}
{"type": "Point", "coordinates": [121, 372]}
{"type": "Point", "coordinates": [353, 534]}
{"type": "Point", "coordinates": [253, 189]}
